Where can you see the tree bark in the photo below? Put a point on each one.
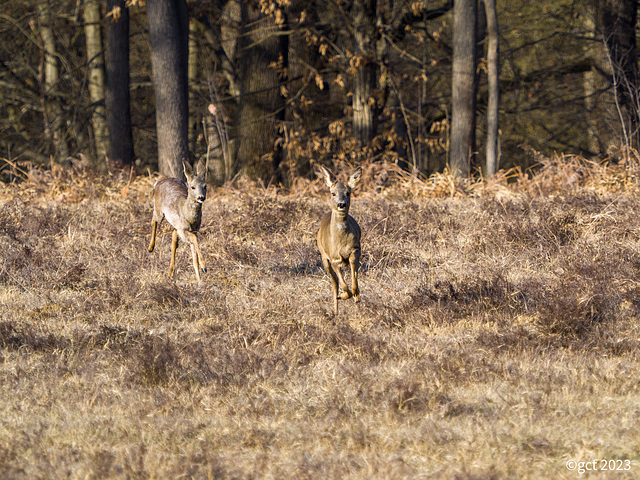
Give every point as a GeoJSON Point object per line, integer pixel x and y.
{"type": "Point", "coordinates": [262, 107]}
{"type": "Point", "coordinates": [194, 118]}
{"type": "Point", "coordinates": [95, 65]}
{"type": "Point", "coordinates": [169, 40]}
{"type": "Point", "coordinates": [117, 95]}
{"type": "Point", "coordinates": [365, 81]}
{"type": "Point", "coordinates": [616, 21]}
{"type": "Point", "coordinates": [52, 110]}
{"type": "Point", "coordinates": [493, 76]}
{"type": "Point", "coordinates": [464, 67]}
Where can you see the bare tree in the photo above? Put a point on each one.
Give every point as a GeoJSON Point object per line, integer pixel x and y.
{"type": "Point", "coordinates": [493, 75]}
{"type": "Point", "coordinates": [366, 66]}
{"type": "Point", "coordinates": [50, 71]}
{"type": "Point", "coordinates": [95, 65]}
{"type": "Point", "coordinates": [194, 118]}
{"type": "Point", "coordinates": [169, 40]}
{"type": "Point", "coordinates": [616, 21]}
{"type": "Point", "coordinates": [263, 63]}
{"type": "Point", "coordinates": [464, 67]}
{"type": "Point", "coordinates": [117, 95]}
{"type": "Point", "coordinates": [221, 42]}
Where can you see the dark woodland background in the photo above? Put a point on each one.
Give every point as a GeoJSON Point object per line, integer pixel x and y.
{"type": "Point", "coordinates": [267, 88]}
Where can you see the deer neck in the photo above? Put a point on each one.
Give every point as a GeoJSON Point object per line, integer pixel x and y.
{"type": "Point", "coordinates": [192, 212]}
{"type": "Point", "coordinates": [339, 220]}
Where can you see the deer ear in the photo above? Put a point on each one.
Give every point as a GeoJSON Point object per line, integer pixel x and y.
{"type": "Point", "coordinates": [329, 178]}
{"type": "Point", "coordinates": [354, 179]}
{"type": "Point", "coordinates": [201, 168]}
{"type": "Point", "coordinates": [188, 171]}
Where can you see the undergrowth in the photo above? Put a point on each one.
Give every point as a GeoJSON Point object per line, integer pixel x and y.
{"type": "Point", "coordinates": [497, 337]}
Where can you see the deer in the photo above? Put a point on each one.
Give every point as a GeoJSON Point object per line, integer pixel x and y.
{"type": "Point", "coordinates": [181, 204]}
{"type": "Point", "coordinates": [339, 237]}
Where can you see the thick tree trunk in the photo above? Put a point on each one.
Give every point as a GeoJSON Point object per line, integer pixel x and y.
{"type": "Point", "coordinates": [365, 81]}
{"type": "Point", "coordinates": [591, 51]}
{"type": "Point", "coordinates": [262, 107]}
{"type": "Point", "coordinates": [464, 67]}
{"type": "Point", "coordinates": [95, 65]}
{"type": "Point", "coordinates": [117, 96]}
{"type": "Point", "coordinates": [169, 40]}
{"type": "Point", "coordinates": [616, 21]}
{"type": "Point", "coordinates": [52, 110]}
{"type": "Point", "coordinates": [493, 76]}
{"type": "Point", "coordinates": [194, 117]}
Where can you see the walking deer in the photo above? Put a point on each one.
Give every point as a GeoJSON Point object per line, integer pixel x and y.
{"type": "Point", "coordinates": [181, 205]}
{"type": "Point", "coordinates": [339, 237]}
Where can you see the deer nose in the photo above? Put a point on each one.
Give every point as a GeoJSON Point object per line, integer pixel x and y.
{"type": "Point", "coordinates": [342, 205]}
{"type": "Point", "coordinates": [200, 198]}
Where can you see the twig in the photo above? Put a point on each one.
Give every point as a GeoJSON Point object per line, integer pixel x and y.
{"type": "Point", "coordinates": [406, 122]}
{"type": "Point", "coordinates": [222, 130]}
{"type": "Point", "coordinates": [26, 174]}
{"type": "Point", "coordinates": [615, 93]}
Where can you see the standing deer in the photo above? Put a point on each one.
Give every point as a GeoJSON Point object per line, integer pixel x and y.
{"type": "Point", "coordinates": [181, 204]}
{"type": "Point", "coordinates": [339, 237]}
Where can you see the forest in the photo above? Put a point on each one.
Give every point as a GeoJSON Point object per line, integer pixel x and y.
{"type": "Point", "coordinates": [269, 88]}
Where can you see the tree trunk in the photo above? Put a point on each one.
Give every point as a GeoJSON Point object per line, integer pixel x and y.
{"type": "Point", "coordinates": [365, 81]}
{"type": "Point", "coordinates": [493, 76]}
{"type": "Point", "coordinates": [117, 97]}
{"type": "Point", "coordinates": [194, 118]}
{"type": "Point", "coordinates": [262, 107]}
{"type": "Point", "coordinates": [616, 21]}
{"type": "Point", "coordinates": [169, 40]}
{"type": "Point", "coordinates": [95, 62]}
{"type": "Point", "coordinates": [590, 77]}
{"type": "Point", "coordinates": [464, 67]}
{"type": "Point", "coordinates": [52, 110]}
{"type": "Point", "coordinates": [400, 129]}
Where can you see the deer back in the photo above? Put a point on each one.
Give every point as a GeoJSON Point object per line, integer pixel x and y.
{"type": "Point", "coordinates": [179, 202]}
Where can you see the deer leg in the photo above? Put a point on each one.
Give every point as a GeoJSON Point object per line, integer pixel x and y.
{"type": "Point", "coordinates": [154, 226]}
{"type": "Point", "coordinates": [347, 293]}
{"type": "Point", "coordinates": [194, 255]}
{"type": "Point", "coordinates": [194, 240]}
{"type": "Point", "coordinates": [354, 263]}
{"type": "Point", "coordinates": [174, 246]}
{"type": "Point", "coordinates": [334, 282]}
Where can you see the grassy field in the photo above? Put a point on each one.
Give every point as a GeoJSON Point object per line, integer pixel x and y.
{"type": "Point", "coordinates": [497, 338]}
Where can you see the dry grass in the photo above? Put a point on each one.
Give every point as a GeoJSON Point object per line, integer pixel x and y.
{"type": "Point", "coordinates": [498, 335]}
